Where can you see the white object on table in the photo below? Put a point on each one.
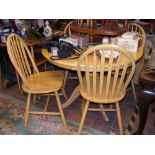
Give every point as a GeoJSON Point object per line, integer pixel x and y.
{"type": "Point", "coordinates": [54, 51]}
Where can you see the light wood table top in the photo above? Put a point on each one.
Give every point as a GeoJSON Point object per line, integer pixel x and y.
{"type": "Point", "coordinates": [71, 64]}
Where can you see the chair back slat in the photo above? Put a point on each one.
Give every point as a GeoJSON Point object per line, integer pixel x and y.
{"type": "Point", "coordinates": [109, 72]}
{"type": "Point", "coordinates": [94, 73]}
{"type": "Point", "coordinates": [26, 68]}
{"type": "Point", "coordinates": [116, 74]}
{"type": "Point", "coordinates": [102, 72]}
{"type": "Point", "coordinates": [17, 56]}
{"type": "Point", "coordinates": [21, 57]}
{"type": "Point", "coordinates": [87, 74]}
{"type": "Point", "coordinates": [25, 62]}
{"type": "Point", "coordinates": [122, 77]}
{"type": "Point", "coordinates": [100, 76]}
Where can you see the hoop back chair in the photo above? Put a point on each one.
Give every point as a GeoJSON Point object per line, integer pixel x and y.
{"type": "Point", "coordinates": [67, 31]}
{"type": "Point", "coordinates": [41, 83]}
{"type": "Point", "coordinates": [133, 27]}
{"type": "Point", "coordinates": [100, 81]}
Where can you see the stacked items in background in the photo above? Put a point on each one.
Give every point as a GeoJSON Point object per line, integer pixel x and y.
{"type": "Point", "coordinates": [129, 41]}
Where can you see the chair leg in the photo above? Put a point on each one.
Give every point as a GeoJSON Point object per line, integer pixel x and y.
{"type": "Point", "coordinates": [82, 105]}
{"type": "Point", "coordinates": [65, 79]}
{"type": "Point", "coordinates": [133, 88]}
{"type": "Point", "coordinates": [119, 118]}
{"type": "Point", "coordinates": [27, 109]}
{"type": "Point", "coordinates": [47, 101]}
{"type": "Point", "coordinates": [64, 83]}
{"type": "Point", "coordinates": [19, 83]}
{"type": "Point", "coordinates": [104, 113]}
{"type": "Point", "coordinates": [83, 117]}
{"type": "Point", "coordinates": [60, 109]}
{"type": "Point", "coordinates": [34, 99]}
{"type": "Point", "coordinates": [64, 93]}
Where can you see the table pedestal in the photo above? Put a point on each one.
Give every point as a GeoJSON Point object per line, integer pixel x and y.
{"type": "Point", "coordinates": [75, 94]}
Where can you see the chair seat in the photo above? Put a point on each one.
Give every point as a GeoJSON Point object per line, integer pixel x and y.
{"type": "Point", "coordinates": [44, 82]}
{"type": "Point", "coordinates": [101, 98]}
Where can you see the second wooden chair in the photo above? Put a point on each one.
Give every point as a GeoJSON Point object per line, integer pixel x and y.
{"type": "Point", "coordinates": [101, 81]}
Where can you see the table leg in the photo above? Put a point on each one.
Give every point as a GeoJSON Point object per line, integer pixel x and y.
{"type": "Point", "coordinates": [145, 100]}
{"type": "Point", "coordinates": [75, 94]}
{"type": "Point", "coordinates": [91, 38]}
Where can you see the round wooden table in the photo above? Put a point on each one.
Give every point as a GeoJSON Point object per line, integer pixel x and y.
{"type": "Point", "coordinates": [71, 64]}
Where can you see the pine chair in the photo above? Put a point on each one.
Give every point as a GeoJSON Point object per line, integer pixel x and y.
{"type": "Point", "coordinates": [36, 83]}
{"type": "Point", "coordinates": [100, 79]}
{"type": "Point", "coordinates": [133, 27]}
{"type": "Point", "coordinates": [67, 31]}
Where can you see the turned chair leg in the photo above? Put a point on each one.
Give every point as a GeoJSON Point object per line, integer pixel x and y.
{"type": "Point", "coordinates": [27, 109]}
{"type": "Point", "coordinates": [83, 117]}
{"type": "Point", "coordinates": [64, 83]}
{"type": "Point", "coordinates": [34, 99]}
{"type": "Point", "coordinates": [60, 109]}
{"type": "Point", "coordinates": [46, 105]}
{"type": "Point", "coordinates": [119, 119]}
{"type": "Point", "coordinates": [19, 83]}
{"type": "Point", "coordinates": [82, 105]}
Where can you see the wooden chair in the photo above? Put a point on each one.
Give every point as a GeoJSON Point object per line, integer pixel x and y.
{"type": "Point", "coordinates": [67, 31]}
{"type": "Point", "coordinates": [100, 81]}
{"type": "Point", "coordinates": [133, 27]}
{"type": "Point", "coordinates": [38, 83]}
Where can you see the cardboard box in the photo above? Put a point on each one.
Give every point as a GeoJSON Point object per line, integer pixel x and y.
{"type": "Point", "coordinates": [130, 35]}
{"type": "Point", "coordinates": [129, 44]}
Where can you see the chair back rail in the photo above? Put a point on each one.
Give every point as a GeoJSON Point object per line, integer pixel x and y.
{"type": "Point", "coordinates": [98, 75]}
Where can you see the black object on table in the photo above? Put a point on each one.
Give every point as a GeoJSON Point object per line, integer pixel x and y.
{"type": "Point", "coordinates": [146, 96]}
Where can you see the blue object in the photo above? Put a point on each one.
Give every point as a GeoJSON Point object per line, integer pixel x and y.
{"type": "Point", "coordinates": [5, 31]}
